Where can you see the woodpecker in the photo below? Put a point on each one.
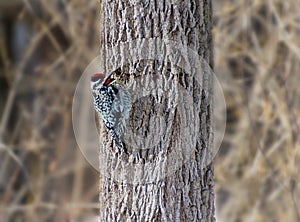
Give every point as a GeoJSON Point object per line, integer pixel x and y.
{"type": "Point", "coordinates": [112, 102]}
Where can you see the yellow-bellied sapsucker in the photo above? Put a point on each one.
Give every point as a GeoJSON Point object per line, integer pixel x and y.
{"type": "Point", "coordinates": [113, 103]}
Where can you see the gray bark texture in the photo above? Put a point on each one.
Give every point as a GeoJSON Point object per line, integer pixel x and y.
{"type": "Point", "coordinates": [167, 174]}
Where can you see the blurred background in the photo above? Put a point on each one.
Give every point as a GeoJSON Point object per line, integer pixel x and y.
{"type": "Point", "coordinates": [46, 45]}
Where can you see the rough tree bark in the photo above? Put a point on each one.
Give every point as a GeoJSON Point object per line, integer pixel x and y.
{"type": "Point", "coordinates": [168, 173]}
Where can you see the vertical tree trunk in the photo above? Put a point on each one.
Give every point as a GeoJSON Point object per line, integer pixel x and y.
{"type": "Point", "coordinates": [167, 174]}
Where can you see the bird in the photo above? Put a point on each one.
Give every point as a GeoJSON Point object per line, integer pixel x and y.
{"type": "Point", "coordinates": [113, 102]}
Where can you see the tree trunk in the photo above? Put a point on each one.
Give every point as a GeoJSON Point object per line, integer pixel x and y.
{"type": "Point", "coordinates": [167, 174]}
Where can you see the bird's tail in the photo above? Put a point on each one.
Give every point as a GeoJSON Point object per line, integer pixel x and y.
{"type": "Point", "coordinates": [118, 141]}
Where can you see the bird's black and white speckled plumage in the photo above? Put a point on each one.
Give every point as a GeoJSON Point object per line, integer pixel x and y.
{"type": "Point", "coordinates": [113, 103]}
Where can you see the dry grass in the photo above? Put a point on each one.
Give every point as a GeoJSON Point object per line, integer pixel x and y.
{"type": "Point", "coordinates": [43, 176]}
{"type": "Point", "coordinates": [257, 51]}
{"type": "Point", "coordinates": [55, 43]}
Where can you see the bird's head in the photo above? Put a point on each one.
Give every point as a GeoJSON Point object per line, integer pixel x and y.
{"type": "Point", "coordinates": [99, 79]}
{"type": "Point", "coordinates": [96, 80]}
